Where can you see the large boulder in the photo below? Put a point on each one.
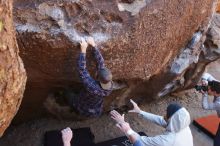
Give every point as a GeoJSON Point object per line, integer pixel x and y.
{"type": "Point", "coordinates": [12, 73]}
{"type": "Point", "coordinates": [141, 41]}
{"type": "Point", "coordinates": [218, 6]}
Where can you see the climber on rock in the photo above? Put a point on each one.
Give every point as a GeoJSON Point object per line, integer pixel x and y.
{"type": "Point", "coordinates": [89, 102]}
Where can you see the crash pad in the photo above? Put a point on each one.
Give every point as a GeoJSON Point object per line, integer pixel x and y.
{"type": "Point", "coordinates": [208, 124]}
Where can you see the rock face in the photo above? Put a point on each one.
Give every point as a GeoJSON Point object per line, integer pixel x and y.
{"type": "Point", "coordinates": [139, 40]}
{"type": "Point", "coordinates": [192, 61]}
{"type": "Point", "coordinates": [12, 73]}
{"type": "Point", "coordinates": [218, 6]}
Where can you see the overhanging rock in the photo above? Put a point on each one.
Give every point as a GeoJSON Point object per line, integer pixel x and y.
{"type": "Point", "coordinates": [139, 39]}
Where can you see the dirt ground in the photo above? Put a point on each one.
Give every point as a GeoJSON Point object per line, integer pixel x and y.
{"type": "Point", "coordinates": [31, 133]}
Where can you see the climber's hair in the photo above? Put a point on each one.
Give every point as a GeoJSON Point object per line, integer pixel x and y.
{"type": "Point", "coordinates": [104, 75]}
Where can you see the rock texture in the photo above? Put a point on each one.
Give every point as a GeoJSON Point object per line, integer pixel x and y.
{"type": "Point", "coordinates": [139, 39]}
{"type": "Point", "coordinates": [187, 68]}
{"type": "Point", "coordinates": [12, 73]}
{"type": "Point", "coordinates": [218, 6]}
{"type": "Point", "coordinates": [210, 52]}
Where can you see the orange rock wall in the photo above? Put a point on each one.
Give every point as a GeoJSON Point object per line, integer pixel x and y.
{"type": "Point", "coordinates": [218, 6]}
{"type": "Point", "coordinates": [12, 73]}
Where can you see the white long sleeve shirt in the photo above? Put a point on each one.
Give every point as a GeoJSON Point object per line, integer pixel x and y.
{"type": "Point", "coordinates": [177, 131]}
{"type": "Point", "coordinates": [215, 105]}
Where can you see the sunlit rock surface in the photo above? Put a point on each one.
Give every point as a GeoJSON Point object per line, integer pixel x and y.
{"type": "Point", "coordinates": [12, 73]}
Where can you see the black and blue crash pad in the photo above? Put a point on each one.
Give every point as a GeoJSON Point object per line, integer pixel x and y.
{"type": "Point", "coordinates": [120, 141]}
{"type": "Point", "coordinates": [84, 137]}
{"type": "Point", "coordinates": [81, 137]}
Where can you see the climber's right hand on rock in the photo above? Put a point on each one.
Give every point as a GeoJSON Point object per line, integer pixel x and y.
{"type": "Point", "coordinates": [136, 108]}
{"type": "Point", "coordinates": [83, 45]}
{"type": "Point", "coordinates": [91, 41]}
